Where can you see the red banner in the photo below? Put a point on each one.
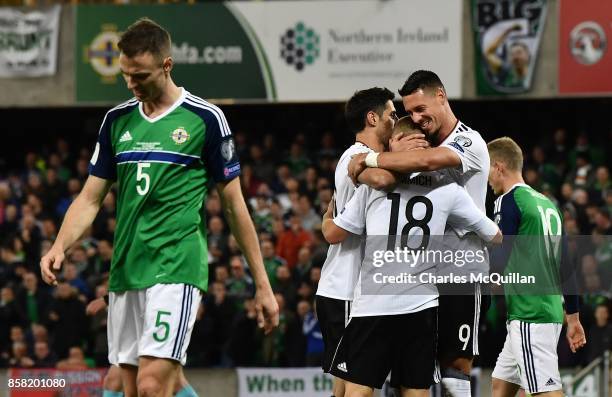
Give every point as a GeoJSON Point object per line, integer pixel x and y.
{"type": "Point", "coordinates": [55, 383]}
{"type": "Point", "coordinates": [585, 59]}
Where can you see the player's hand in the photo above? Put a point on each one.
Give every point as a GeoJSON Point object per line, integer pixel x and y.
{"type": "Point", "coordinates": [575, 333]}
{"type": "Point", "coordinates": [267, 309]}
{"type": "Point", "coordinates": [50, 264]}
{"type": "Point", "coordinates": [401, 143]}
{"type": "Point", "coordinates": [357, 166]}
{"type": "Point", "coordinates": [95, 306]}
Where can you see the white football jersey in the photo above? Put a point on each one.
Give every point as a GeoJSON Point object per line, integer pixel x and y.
{"type": "Point", "coordinates": [341, 268]}
{"type": "Point", "coordinates": [473, 174]}
{"type": "Point", "coordinates": [419, 207]}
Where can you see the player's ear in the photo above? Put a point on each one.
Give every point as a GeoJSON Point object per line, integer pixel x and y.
{"type": "Point", "coordinates": [440, 95]}
{"type": "Point", "coordinates": [167, 64]}
{"type": "Point", "coordinates": [372, 118]}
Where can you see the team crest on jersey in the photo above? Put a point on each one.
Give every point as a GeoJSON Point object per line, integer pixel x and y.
{"type": "Point", "coordinates": [227, 149]}
{"type": "Point", "coordinates": [463, 140]}
{"type": "Point", "coordinates": [180, 136]}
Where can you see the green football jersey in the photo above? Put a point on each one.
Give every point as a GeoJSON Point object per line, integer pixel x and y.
{"type": "Point", "coordinates": [532, 228]}
{"type": "Point", "coordinates": [163, 167]}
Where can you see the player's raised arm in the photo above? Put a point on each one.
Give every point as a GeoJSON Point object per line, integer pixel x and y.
{"type": "Point", "coordinates": [242, 228]}
{"type": "Point", "coordinates": [79, 217]}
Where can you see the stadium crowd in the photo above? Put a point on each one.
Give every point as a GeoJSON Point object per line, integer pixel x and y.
{"type": "Point", "coordinates": [287, 192]}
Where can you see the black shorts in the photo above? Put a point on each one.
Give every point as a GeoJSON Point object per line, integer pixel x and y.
{"type": "Point", "coordinates": [333, 315]}
{"type": "Point", "coordinates": [403, 344]}
{"type": "Point", "coordinates": [459, 319]}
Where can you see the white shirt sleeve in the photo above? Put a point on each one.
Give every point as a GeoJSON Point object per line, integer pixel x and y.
{"type": "Point", "coordinates": [465, 214]}
{"type": "Point", "coordinates": [352, 217]}
{"type": "Point", "coordinates": [469, 151]}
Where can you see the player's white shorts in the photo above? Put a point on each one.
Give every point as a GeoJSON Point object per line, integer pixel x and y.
{"type": "Point", "coordinates": [156, 322]}
{"type": "Point", "coordinates": [529, 357]}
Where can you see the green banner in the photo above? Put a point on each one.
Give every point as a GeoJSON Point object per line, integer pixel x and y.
{"type": "Point", "coordinates": [215, 53]}
{"type": "Point", "coordinates": [507, 38]}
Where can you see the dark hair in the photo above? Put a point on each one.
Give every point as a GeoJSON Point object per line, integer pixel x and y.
{"type": "Point", "coordinates": [364, 101]}
{"type": "Point", "coordinates": [421, 80]}
{"type": "Point", "coordinates": [144, 35]}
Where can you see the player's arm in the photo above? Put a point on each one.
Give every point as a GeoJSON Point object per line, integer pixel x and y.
{"type": "Point", "coordinates": [239, 220]}
{"type": "Point", "coordinates": [331, 232]}
{"type": "Point", "coordinates": [465, 214]}
{"type": "Point", "coordinates": [351, 219]}
{"type": "Point", "coordinates": [405, 162]}
{"type": "Point", "coordinates": [220, 158]}
{"type": "Point", "coordinates": [78, 218]}
{"type": "Point", "coordinates": [378, 178]}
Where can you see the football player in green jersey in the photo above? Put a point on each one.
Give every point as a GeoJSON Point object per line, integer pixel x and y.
{"type": "Point", "coordinates": [162, 148]}
{"type": "Point", "coordinates": [533, 225]}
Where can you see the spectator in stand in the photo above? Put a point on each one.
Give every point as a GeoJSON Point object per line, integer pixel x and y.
{"type": "Point", "coordinates": [312, 331]}
{"type": "Point", "coordinates": [263, 170]}
{"type": "Point", "coordinates": [240, 286]}
{"type": "Point", "coordinates": [549, 172]}
{"type": "Point", "coordinates": [19, 356]}
{"type": "Point", "coordinates": [310, 219]}
{"type": "Point", "coordinates": [65, 311]}
{"type": "Point", "coordinates": [301, 270]}
{"type": "Point", "coordinates": [249, 182]}
{"type": "Point", "coordinates": [244, 341]}
{"type": "Point", "coordinates": [221, 310]}
{"type": "Point", "coordinates": [106, 213]}
{"type": "Point", "coordinates": [262, 213]}
{"type": "Point", "coordinates": [271, 261]}
{"type": "Point", "coordinates": [98, 328]}
{"type": "Point", "coordinates": [103, 260]}
{"type": "Point", "coordinates": [285, 286]}
{"type": "Point", "coordinates": [297, 159]}
{"type": "Point", "coordinates": [600, 335]}
{"type": "Point", "coordinates": [217, 239]}
{"type": "Point", "coordinates": [602, 222]}
{"type": "Point", "coordinates": [72, 277]}
{"type": "Point", "coordinates": [31, 236]}
{"type": "Point", "coordinates": [9, 314]}
{"type": "Point", "coordinates": [32, 301]}
{"type": "Point", "coordinates": [601, 186]}
{"type": "Point", "coordinates": [43, 357]}
{"type": "Point", "coordinates": [593, 153]}
{"type": "Point", "coordinates": [315, 276]}
{"type": "Point", "coordinates": [283, 173]}
{"type": "Point", "coordinates": [74, 187]}
{"type": "Point", "coordinates": [603, 256]}
{"type": "Point", "coordinates": [75, 360]}
{"type": "Point", "coordinates": [582, 175]}
{"type": "Point", "coordinates": [292, 239]}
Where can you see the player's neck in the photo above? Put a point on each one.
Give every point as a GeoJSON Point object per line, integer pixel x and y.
{"type": "Point", "coordinates": [512, 180]}
{"type": "Point", "coordinates": [169, 96]}
{"type": "Point", "coordinates": [448, 125]}
{"type": "Point", "coordinates": [370, 140]}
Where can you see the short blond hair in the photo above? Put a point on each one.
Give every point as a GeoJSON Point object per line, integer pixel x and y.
{"type": "Point", "coordinates": [406, 126]}
{"type": "Point", "coordinates": [506, 151]}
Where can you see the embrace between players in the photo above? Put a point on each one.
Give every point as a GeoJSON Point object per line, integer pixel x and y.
{"type": "Point", "coordinates": [391, 183]}
{"type": "Point", "coordinates": [164, 147]}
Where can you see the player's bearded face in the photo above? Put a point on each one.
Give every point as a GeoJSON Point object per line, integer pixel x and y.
{"type": "Point", "coordinates": [144, 75]}
{"type": "Point", "coordinates": [425, 109]}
